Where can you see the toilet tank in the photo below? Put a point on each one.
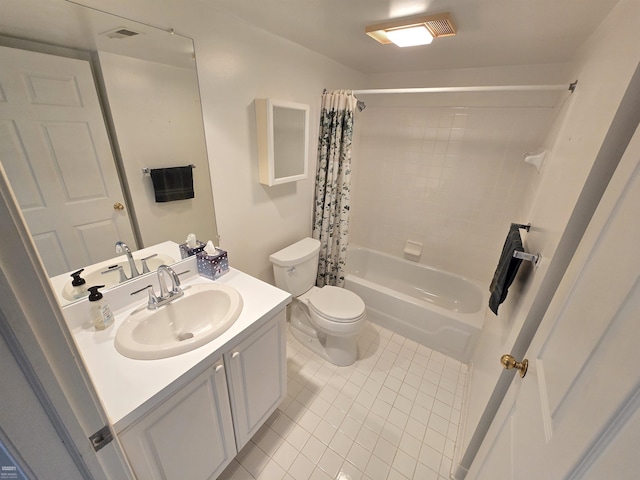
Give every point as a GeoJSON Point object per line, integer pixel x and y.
{"type": "Point", "coordinates": [296, 266]}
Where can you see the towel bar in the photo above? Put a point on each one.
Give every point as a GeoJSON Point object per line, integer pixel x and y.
{"type": "Point", "coordinates": [529, 257]}
{"type": "Point", "coordinates": [147, 170]}
{"type": "Point", "coordinates": [526, 227]}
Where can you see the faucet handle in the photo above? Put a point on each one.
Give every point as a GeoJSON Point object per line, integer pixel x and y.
{"type": "Point", "coordinates": [153, 299]}
{"type": "Point", "coordinates": [145, 267]}
{"type": "Point", "coordinates": [117, 268]}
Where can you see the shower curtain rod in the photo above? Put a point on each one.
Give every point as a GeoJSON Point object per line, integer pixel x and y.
{"type": "Point", "coordinates": [502, 88]}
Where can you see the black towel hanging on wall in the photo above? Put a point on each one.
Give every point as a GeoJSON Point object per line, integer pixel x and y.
{"type": "Point", "coordinates": [173, 183]}
{"type": "Point", "coordinates": [507, 268]}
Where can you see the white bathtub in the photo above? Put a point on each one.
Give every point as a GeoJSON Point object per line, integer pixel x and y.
{"type": "Point", "coordinates": [438, 309]}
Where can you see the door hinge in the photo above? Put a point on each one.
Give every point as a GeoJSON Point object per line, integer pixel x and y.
{"type": "Point", "coordinates": [101, 438]}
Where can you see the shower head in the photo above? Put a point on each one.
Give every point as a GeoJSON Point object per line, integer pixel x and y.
{"type": "Point", "coordinates": [361, 106]}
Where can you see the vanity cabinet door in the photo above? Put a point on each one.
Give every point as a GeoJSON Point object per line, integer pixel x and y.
{"type": "Point", "coordinates": [257, 378]}
{"type": "Point", "coordinates": [190, 435]}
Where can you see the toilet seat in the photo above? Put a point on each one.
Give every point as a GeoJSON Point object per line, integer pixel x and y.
{"type": "Point", "coordinates": [337, 304]}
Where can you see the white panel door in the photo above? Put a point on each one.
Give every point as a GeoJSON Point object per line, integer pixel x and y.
{"type": "Point", "coordinates": [575, 415]}
{"type": "Point", "coordinates": [56, 152]}
{"type": "Point", "coordinates": [257, 378]}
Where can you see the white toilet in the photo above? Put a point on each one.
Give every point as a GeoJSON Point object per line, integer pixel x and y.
{"type": "Point", "coordinates": [327, 320]}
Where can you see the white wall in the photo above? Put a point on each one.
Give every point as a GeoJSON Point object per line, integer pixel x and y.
{"type": "Point", "coordinates": [158, 121]}
{"type": "Point", "coordinates": [585, 144]}
{"type": "Point", "coordinates": [236, 66]}
{"type": "Point", "coordinates": [447, 170]}
{"type": "Point", "coordinates": [451, 178]}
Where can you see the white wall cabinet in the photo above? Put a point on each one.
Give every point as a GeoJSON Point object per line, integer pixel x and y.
{"type": "Point", "coordinates": [197, 431]}
{"type": "Point", "coordinates": [283, 141]}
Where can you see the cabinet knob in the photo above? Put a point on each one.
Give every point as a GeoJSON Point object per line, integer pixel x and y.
{"type": "Point", "coordinates": [235, 354]}
{"type": "Point", "coordinates": [219, 367]}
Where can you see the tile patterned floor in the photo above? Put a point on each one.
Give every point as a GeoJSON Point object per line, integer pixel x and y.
{"type": "Point", "coordinates": [393, 415]}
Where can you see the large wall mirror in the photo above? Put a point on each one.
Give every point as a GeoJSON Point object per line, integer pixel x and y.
{"type": "Point", "coordinates": [79, 201]}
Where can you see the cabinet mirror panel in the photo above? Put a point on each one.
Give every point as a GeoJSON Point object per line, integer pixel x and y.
{"type": "Point", "coordinates": [283, 141]}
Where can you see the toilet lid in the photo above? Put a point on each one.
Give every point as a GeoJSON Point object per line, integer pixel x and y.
{"type": "Point", "coordinates": [337, 304]}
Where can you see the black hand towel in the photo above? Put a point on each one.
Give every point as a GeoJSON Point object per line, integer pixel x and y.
{"type": "Point", "coordinates": [506, 270]}
{"type": "Point", "coordinates": [174, 183]}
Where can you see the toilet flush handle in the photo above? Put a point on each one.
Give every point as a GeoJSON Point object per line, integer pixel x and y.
{"type": "Point", "coordinates": [291, 269]}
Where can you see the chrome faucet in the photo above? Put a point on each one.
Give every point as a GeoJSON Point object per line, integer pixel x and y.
{"type": "Point", "coordinates": [166, 294]}
{"type": "Point", "coordinates": [175, 291]}
{"type": "Point", "coordinates": [122, 247]}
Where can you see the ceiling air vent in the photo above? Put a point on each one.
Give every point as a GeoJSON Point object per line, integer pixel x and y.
{"type": "Point", "coordinates": [120, 33]}
{"type": "Point", "coordinates": [441, 25]}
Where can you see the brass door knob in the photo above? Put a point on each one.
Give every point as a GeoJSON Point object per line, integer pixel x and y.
{"type": "Point", "coordinates": [508, 362]}
{"type": "Point", "coordinates": [118, 206]}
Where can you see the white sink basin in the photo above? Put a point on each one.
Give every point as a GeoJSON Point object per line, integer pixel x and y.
{"type": "Point", "coordinates": [93, 275]}
{"type": "Point", "coordinates": [202, 314]}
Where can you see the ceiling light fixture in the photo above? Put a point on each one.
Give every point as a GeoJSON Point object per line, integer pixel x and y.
{"type": "Point", "coordinates": [411, 36]}
{"type": "Point", "coordinates": [408, 32]}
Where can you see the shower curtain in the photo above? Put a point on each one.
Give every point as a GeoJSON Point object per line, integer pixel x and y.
{"type": "Point", "coordinates": [333, 185]}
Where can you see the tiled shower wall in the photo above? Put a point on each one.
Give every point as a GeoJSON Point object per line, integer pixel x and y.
{"type": "Point", "coordinates": [451, 178]}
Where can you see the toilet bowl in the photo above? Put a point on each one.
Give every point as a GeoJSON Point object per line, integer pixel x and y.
{"type": "Point", "coordinates": [326, 320]}
{"type": "Point", "coordinates": [329, 319]}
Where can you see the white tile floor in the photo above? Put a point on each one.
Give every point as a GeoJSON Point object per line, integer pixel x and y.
{"type": "Point", "coordinates": [393, 415]}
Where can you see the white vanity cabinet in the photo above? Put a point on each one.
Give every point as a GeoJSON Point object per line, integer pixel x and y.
{"type": "Point", "coordinates": [190, 435]}
{"type": "Point", "coordinates": [257, 371]}
{"type": "Point", "coordinates": [197, 431]}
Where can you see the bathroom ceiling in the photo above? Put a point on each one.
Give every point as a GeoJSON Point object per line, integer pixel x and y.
{"type": "Point", "coordinates": [490, 32]}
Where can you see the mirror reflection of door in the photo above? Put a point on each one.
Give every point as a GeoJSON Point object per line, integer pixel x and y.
{"type": "Point", "coordinates": [56, 152]}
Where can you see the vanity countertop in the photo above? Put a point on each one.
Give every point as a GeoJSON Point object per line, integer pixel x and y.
{"type": "Point", "coordinates": [128, 387]}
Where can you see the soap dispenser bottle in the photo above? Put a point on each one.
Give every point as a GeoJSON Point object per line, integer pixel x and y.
{"type": "Point", "coordinates": [99, 309]}
{"type": "Point", "coordinates": [79, 285]}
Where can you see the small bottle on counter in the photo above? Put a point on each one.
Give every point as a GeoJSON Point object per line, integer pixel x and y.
{"type": "Point", "coordinates": [99, 309]}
